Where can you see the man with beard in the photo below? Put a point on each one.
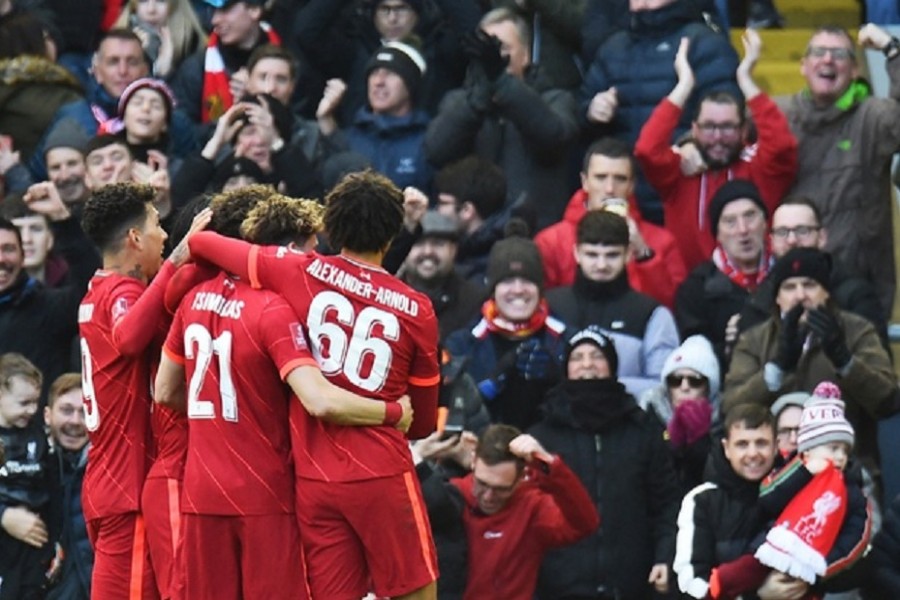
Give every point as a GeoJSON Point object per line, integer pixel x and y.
{"type": "Point", "coordinates": [64, 415]}
{"type": "Point", "coordinates": [65, 164]}
{"type": "Point", "coordinates": [429, 269]}
{"type": "Point", "coordinates": [720, 133]}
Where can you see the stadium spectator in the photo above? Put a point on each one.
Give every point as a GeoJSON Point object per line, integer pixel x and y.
{"type": "Point", "coordinates": [388, 131]}
{"type": "Point", "coordinates": [686, 403]}
{"type": "Point", "coordinates": [719, 134]}
{"type": "Point", "coordinates": [514, 348]}
{"type": "Point", "coordinates": [847, 140]}
{"type": "Point", "coordinates": [339, 41]}
{"type": "Point", "coordinates": [608, 173]}
{"type": "Point", "coordinates": [709, 300]}
{"type": "Point", "coordinates": [808, 340]}
{"type": "Point", "coordinates": [25, 486]}
{"type": "Point", "coordinates": [36, 321]}
{"type": "Point", "coordinates": [616, 99]}
{"type": "Point", "coordinates": [519, 501]}
{"type": "Point", "coordinates": [629, 476]}
{"type": "Point", "coordinates": [32, 86]}
{"type": "Point", "coordinates": [64, 417]}
{"type": "Point", "coordinates": [472, 192]}
{"type": "Point", "coordinates": [643, 330]}
{"type": "Point", "coordinates": [502, 114]}
{"type": "Point", "coordinates": [429, 268]}
{"type": "Point", "coordinates": [211, 80]}
{"type": "Point", "coordinates": [797, 223]}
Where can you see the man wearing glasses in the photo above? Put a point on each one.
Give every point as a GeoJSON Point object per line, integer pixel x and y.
{"type": "Point", "coordinates": [686, 181]}
{"type": "Point", "coordinates": [520, 501]}
{"type": "Point", "coordinates": [808, 339]}
{"type": "Point", "coordinates": [797, 223]}
{"type": "Point", "coordinates": [847, 139]}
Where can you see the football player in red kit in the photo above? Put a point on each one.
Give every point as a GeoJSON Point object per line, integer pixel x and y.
{"type": "Point", "coordinates": [373, 335]}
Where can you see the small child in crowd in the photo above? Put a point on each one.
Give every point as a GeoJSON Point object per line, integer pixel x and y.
{"type": "Point", "coordinates": [823, 523]}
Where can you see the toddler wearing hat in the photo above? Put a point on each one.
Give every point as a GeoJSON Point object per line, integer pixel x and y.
{"type": "Point", "coordinates": [824, 520]}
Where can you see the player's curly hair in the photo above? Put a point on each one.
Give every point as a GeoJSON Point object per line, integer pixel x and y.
{"type": "Point", "coordinates": [232, 207]}
{"type": "Point", "coordinates": [114, 209]}
{"type": "Point", "coordinates": [279, 220]}
{"type": "Point", "coordinates": [363, 212]}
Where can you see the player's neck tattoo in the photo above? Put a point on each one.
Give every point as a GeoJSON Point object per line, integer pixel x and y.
{"type": "Point", "coordinates": [136, 272]}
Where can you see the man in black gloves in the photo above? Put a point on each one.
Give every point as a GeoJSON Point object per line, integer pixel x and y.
{"type": "Point", "coordinates": [504, 114]}
{"type": "Point", "coordinates": [809, 340]}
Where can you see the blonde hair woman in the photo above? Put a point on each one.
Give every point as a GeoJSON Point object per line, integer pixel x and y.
{"type": "Point", "coordinates": [169, 31]}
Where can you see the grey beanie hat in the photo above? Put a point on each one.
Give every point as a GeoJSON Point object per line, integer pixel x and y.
{"type": "Point", "coordinates": [67, 134]}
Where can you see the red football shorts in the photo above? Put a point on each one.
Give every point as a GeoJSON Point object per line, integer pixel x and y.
{"type": "Point", "coordinates": [122, 568]}
{"type": "Point", "coordinates": [161, 508]}
{"type": "Point", "coordinates": [361, 536]}
{"type": "Point", "coordinates": [231, 557]}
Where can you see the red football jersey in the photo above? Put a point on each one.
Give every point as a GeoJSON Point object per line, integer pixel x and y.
{"type": "Point", "coordinates": [116, 389]}
{"type": "Point", "coordinates": [170, 436]}
{"type": "Point", "coordinates": [371, 334]}
{"type": "Point", "coordinates": [237, 345]}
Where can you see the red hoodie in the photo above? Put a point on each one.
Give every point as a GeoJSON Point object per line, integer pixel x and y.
{"type": "Point", "coordinates": [771, 164]}
{"type": "Point", "coordinates": [506, 548]}
{"type": "Point", "coordinates": [658, 276]}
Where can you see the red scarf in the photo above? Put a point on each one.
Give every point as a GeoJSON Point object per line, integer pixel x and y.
{"type": "Point", "coordinates": [748, 281]}
{"type": "Point", "coordinates": [519, 329]}
{"type": "Point", "coordinates": [807, 528]}
{"type": "Point", "coordinates": [217, 96]}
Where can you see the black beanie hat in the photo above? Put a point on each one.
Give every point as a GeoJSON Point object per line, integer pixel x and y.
{"type": "Point", "coordinates": [515, 256]}
{"type": "Point", "coordinates": [234, 166]}
{"type": "Point", "coordinates": [736, 189]}
{"type": "Point", "coordinates": [402, 59]}
{"type": "Point", "coordinates": [802, 262]}
{"type": "Point", "coordinates": [592, 334]}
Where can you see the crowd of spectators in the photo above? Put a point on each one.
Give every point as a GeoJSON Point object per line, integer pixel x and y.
{"type": "Point", "coordinates": [641, 264]}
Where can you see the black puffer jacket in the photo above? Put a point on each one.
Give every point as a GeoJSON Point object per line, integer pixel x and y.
{"type": "Point", "coordinates": [719, 522]}
{"type": "Point", "coordinates": [618, 453]}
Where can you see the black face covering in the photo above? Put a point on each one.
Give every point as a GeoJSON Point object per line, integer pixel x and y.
{"type": "Point", "coordinates": [597, 404]}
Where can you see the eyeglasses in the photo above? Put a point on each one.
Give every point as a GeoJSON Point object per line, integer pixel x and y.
{"type": "Point", "coordinates": [727, 129]}
{"type": "Point", "coordinates": [481, 487]}
{"type": "Point", "coordinates": [801, 231]}
{"type": "Point", "coordinates": [386, 10]}
{"type": "Point", "coordinates": [787, 432]}
{"type": "Point", "coordinates": [840, 54]}
{"type": "Point", "coordinates": [693, 381]}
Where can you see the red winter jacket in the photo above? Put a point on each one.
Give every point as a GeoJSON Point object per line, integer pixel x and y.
{"type": "Point", "coordinates": [658, 277]}
{"type": "Point", "coordinates": [506, 548]}
{"type": "Point", "coordinates": [771, 164]}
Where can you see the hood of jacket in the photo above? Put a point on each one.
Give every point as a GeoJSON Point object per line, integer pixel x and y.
{"type": "Point", "coordinates": [577, 208]}
{"type": "Point", "coordinates": [811, 117]}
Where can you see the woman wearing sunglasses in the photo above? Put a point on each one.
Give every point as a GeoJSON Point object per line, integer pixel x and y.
{"type": "Point", "coordinates": [686, 403]}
